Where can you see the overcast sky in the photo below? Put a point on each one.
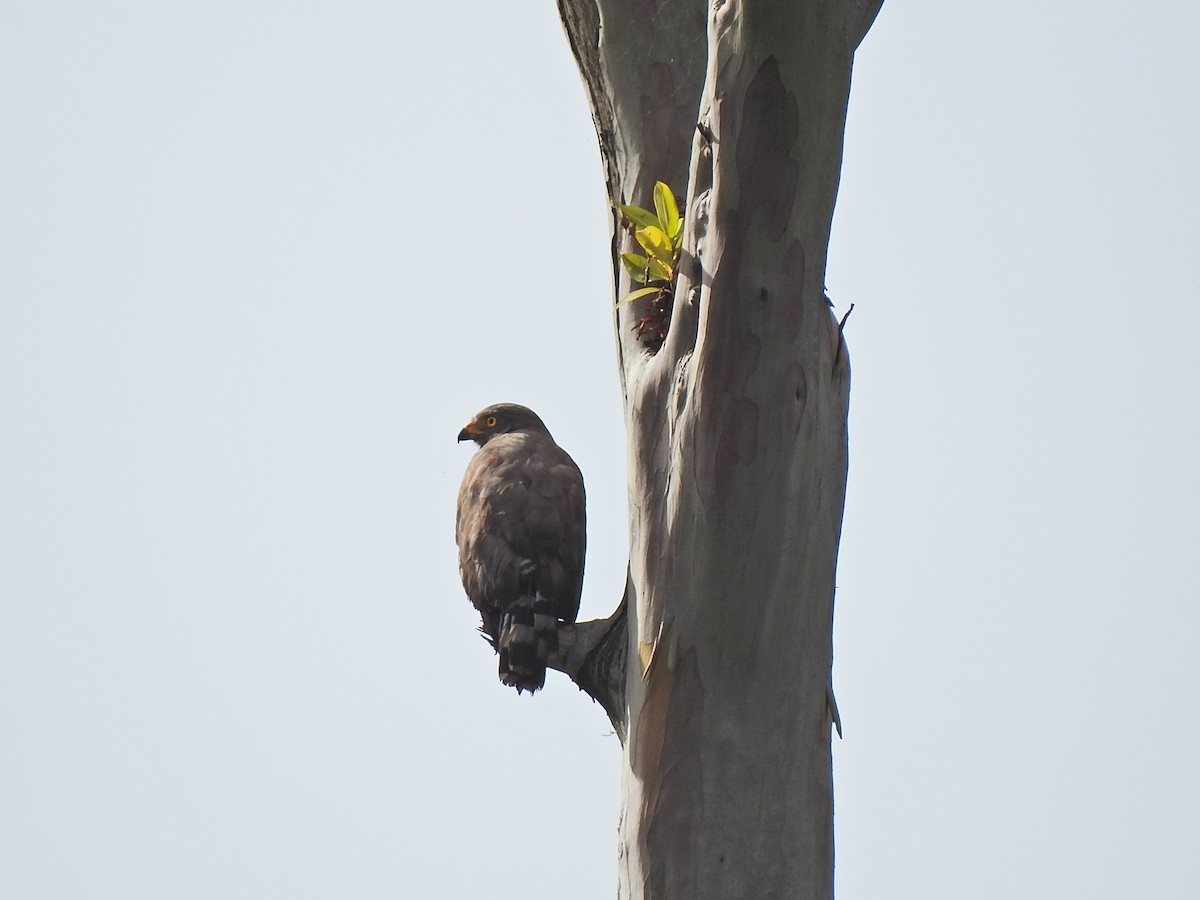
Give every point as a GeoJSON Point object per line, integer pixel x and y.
{"type": "Point", "coordinates": [259, 261]}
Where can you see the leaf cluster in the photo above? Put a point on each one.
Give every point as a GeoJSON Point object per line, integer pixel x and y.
{"type": "Point", "coordinates": [660, 234]}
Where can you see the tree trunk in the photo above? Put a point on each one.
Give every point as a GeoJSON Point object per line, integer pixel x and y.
{"type": "Point", "coordinates": [720, 684]}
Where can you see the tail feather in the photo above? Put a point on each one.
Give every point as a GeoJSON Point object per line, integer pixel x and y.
{"type": "Point", "coordinates": [527, 636]}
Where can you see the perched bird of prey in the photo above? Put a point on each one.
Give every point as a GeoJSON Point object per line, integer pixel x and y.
{"type": "Point", "coordinates": [521, 538]}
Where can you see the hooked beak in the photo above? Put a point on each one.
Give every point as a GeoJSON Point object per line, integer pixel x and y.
{"type": "Point", "coordinates": [467, 434]}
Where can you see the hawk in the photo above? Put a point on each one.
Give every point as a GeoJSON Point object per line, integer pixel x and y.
{"type": "Point", "coordinates": [521, 537]}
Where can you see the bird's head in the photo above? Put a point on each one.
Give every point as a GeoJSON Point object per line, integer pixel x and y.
{"type": "Point", "coordinates": [501, 418]}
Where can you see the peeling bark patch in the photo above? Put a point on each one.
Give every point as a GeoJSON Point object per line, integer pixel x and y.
{"type": "Point", "coordinates": [767, 173]}
{"type": "Point", "coordinates": [793, 288]}
{"type": "Point", "coordinates": [647, 736]}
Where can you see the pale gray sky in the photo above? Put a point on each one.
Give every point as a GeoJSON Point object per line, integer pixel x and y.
{"type": "Point", "coordinates": [258, 263]}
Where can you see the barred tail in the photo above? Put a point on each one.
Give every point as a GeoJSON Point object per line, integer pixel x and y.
{"type": "Point", "coordinates": [528, 635]}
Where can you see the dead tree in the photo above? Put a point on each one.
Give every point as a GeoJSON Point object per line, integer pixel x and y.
{"type": "Point", "coordinates": [716, 667]}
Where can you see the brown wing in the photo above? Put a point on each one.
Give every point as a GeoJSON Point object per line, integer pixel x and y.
{"type": "Point", "coordinates": [521, 526]}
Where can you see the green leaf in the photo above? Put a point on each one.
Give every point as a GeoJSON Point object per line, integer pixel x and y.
{"type": "Point", "coordinates": [636, 265]}
{"type": "Point", "coordinates": [639, 216]}
{"type": "Point", "coordinates": [655, 240]}
{"type": "Point", "coordinates": [667, 209]}
{"type": "Point", "coordinates": [640, 292]}
{"type": "Point", "coordinates": [658, 270]}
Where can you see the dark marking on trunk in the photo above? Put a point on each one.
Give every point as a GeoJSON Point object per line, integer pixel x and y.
{"type": "Point", "coordinates": [662, 126]}
{"type": "Point", "coordinates": [795, 399]}
{"type": "Point", "coordinates": [793, 288]}
{"type": "Point", "coordinates": [738, 442]}
{"type": "Point", "coordinates": [729, 360]}
{"type": "Point", "coordinates": [767, 173]}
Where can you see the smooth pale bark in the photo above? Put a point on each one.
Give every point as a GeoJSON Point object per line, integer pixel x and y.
{"type": "Point", "coordinates": [737, 440]}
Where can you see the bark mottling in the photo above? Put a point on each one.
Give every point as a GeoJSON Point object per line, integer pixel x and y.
{"type": "Point", "coordinates": [767, 172]}
{"type": "Point", "coordinates": [737, 444]}
{"type": "Point", "coordinates": [662, 125]}
{"type": "Point", "coordinates": [670, 833]}
{"type": "Point", "coordinates": [794, 386]}
{"type": "Point", "coordinates": [793, 288]}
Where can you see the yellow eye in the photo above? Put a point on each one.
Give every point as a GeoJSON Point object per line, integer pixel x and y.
{"type": "Point", "coordinates": [491, 421]}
